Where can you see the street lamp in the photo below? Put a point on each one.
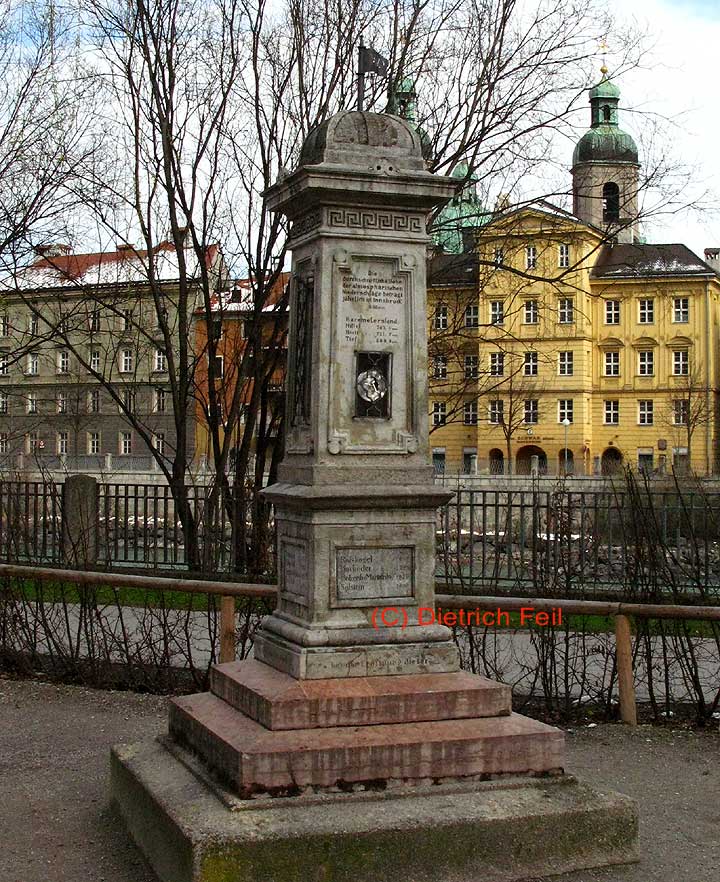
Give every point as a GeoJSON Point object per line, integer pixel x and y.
{"type": "Point", "coordinates": [566, 423]}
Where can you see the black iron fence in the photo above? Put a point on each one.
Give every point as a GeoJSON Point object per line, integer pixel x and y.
{"type": "Point", "coordinates": [631, 536]}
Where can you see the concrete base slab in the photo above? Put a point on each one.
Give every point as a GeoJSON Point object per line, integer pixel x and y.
{"type": "Point", "coordinates": [494, 831]}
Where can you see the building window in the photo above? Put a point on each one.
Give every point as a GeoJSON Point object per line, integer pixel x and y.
{"type": "Point", "coordinates": [646, 362]}
{"type": "Point", "coordinates": [612, 413]}
{"type": "Point", "coordinates": [217, 329]}
{"type": "Point", "coordinates": [563, 256]}
{"type": "Point", "coordinates": [472, 316]}
{"type": "Point", "coordinates": [61, 446]}
{"type": "Point", "coordinates": [646, 311]}
{"type": "Point", "coordinates": [94, 401]}
{"type": "Point", "coordinates": [495, 412]}
{"type": "Point", "coordinates": [532, 314]}
{"type": "Point", "coordinates": [4, 326]}
{"type": "Point", "coordinates": [470, 413]}
{"type": "Point", "coordinates": [63, 324]}
{"type": "Point", "coordinates": [63, 361]}
{"type": "Point", "coordinates": [566, 311]}
{"type": "Point", "coordinates": [4, 364]}
{"type": "Point", "coordinates": [34, 444]}
{"type": "Point", "coordinates": [125, 446]}
{"type": "Point", "coordinates": [681, 362]}
{"type": "Point", "coordinates": [160, 361]}
{"type": "Point", "coordinates": [645, 412]}
{"type": "Point", "coordinates": [565, 410]}
{"type": "Point", "coordinates": [681, 310]}
{"type": "Point", "coordinates": [681, 411]}
{"type": "Point", "coordinates": [612, 312]}
{"type": "Point", "coordinates": [645, 460]}
{"type": "Point", "coordinates": [160, 401]}
{"type": "Point", "coordinates": [4, 402]}
{"type": "Point", "coordinates": [440, 363]}
{"type": "Point", "coordinates": [159, 443]}
{"type": "Point", "coordinates": [497, 312]}
{"type": "Point", "coordinates": [497, 364]}
{"type": "Point", "coordinates": [612, 364]}
{"type": "Point", "coordinates": [530, 257]}
{"type": "Point", "coordinates": [439, 413]}
{"type": "Point", "coordinates": [611, 202]}
{"type": "Point", "coordinates": [93, 443]}
{"type": "Point", "coordinates": [438, 460]}
{"type": "Point", "coordinates": [128, 398]}
{"type": "Point", "coordinates": [94, 321]}
{"type": "Point", "coordinates": [33, 326]}
{"type": "Point", "coordinates": [4, 443]}
{"type": "Point", "coordinates": [499, 257]}
{"type": "Point", "coordinates": [95, 361]}
{"type": "Point", "coordinates": [471, 367]}
{"type": "Point", "coordinates": [62, 402]}
{"type": "Point", "coordinates": [31, 403]}
{"type": "Point", "coordinates": [440, 322]}
{"type": "Point", "coordinates": [565, 364]}
{"type": "Point", "coordinates": [469, 461]}
{"type": "Point", "coordinates": [127, 319]}
{"type": "Point", "coordinates": [531, 411]}
{"type": "Point", "coordinates": [126, 361]}
{"type": "Point", "coordinates": [33, 363]}
{"type": "Point", "coordinates": [219, 367]}
{"type": "Point", "coordinates": [530, 366]}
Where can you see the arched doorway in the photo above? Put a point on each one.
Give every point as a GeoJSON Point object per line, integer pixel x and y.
{"type": "Point", "coordinates": [611, 461]}
{"type": "Point", "coordinates": [566, 462]}
{"type": "Point", "coordinates": [523, 459]}
{"type": "Point", "coordinates": [496, 461]}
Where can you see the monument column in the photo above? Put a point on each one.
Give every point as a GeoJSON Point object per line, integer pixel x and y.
{"type": "Point", "coordinates": [356, 505]}
{"type": "Point", "coordinates": [348, 751]}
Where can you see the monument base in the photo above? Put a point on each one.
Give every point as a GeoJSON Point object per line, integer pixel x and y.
{"type": "Point", "coordinates": [191, 830]}
{"type": "Point", "coordinates": [329, 662]}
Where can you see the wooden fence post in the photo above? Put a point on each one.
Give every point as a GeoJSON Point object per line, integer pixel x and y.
{"type": "Point", "coordinates": [227, 629]}
{"type": "Point", "coordinates": [626, 682]}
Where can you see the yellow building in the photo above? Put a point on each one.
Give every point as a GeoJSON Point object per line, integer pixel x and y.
{"type": "Point", "coordinates": [563, 337]}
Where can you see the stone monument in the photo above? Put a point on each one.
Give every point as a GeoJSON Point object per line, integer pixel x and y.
{"type": "Point", "coordinates": [352, 747]}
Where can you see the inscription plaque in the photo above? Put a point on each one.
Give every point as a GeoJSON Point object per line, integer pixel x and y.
{"type": "Point", "coordinates": [373, 308]}
{"type": "Point", "coordinates": [371, 574]}
{"type": "Point", "coordinates": [295, 569]}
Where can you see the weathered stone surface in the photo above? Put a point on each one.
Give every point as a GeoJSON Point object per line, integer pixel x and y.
{"type": "Point", "coordinates": [278, 701]}
{"type": "Point", "coordinates": [252, 758]}
{"type": "Point", "coordinates": [494, 832]}
{"type": "Point", "coordinates": [326, 662]}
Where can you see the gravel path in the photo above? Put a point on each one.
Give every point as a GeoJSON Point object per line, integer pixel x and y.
{"type": "Point", "coordinates": [54, 743]}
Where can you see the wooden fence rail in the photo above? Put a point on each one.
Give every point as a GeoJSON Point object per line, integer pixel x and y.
{"type": "Point", "coordinates": [229, 591]}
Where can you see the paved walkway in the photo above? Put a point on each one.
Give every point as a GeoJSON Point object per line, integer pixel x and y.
{"type": "Point", "coordinates": [54, 743]}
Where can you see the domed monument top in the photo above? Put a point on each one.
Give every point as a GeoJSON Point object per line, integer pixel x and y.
{"type": "Point", "coordinates": [354, 138]}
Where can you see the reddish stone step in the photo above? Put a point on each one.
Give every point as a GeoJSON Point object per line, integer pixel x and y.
{"type": "Point", "coordinates": [279, 701]}
{"type": "Point", "coordinates": [252, 758]}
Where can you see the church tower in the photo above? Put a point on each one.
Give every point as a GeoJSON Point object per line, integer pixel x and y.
{"type": "Point", "coordinates": [605, 169]}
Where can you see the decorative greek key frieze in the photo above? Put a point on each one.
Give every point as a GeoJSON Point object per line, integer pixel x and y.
{"type": "Point", "coordinates": [361, 219]}
{"type": "Point", "coordinates": [306, 223]}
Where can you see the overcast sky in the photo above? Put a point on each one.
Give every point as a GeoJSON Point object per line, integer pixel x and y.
{"type": "Point", "coordinates": [682, 83]}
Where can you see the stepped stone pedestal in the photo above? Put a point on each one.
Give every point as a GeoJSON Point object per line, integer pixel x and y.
{"type": "Point", "coordinates": [352, 747]}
